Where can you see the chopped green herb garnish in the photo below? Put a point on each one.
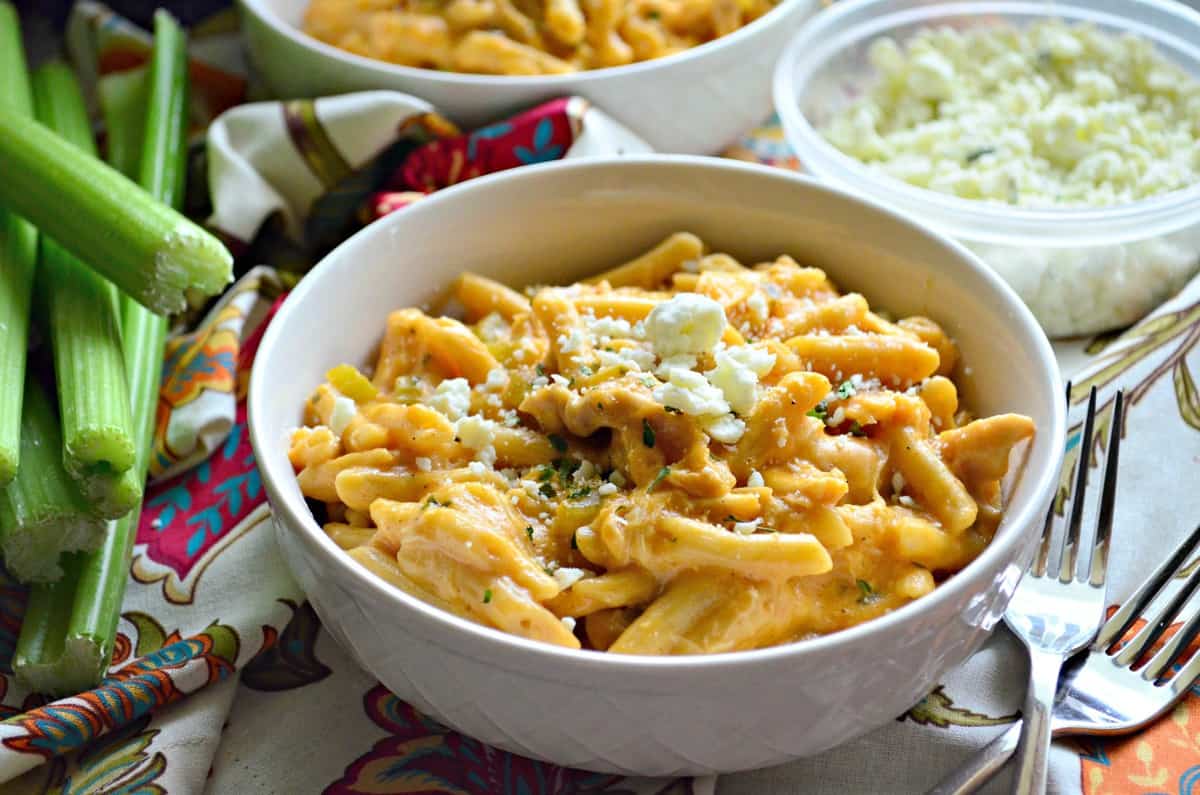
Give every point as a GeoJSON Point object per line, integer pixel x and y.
{"type": "Point", "coordinates": [846, 390]}
{"type": "Point", "coordinates": [673, 410]}
{"type": "Point", "coordinates": [432, 501]}
{"type": "Point", "coordinates": [647, 433]}
{"type": "Point", "coordinates": [978, 153]}
{"type": "Point", "coordinates": [820, 411]}
{"type": "Point", "coordinates": [584, 370]}
{"type": "Point", "coordinates": [856, 429]}
{"type": "Point", "coordinates": [546, 473]}
{"type": "Point", "coordinates": [567, 467]}
{"type": "Point", "coordinates": [540, 370]}
{"type": "Point", "coordinates": [580, 493]}
{"type": "Point", "coordinates": [547, 490]}
{"type": "Point", "coordinates": [662, 473]}
{"type": "Point", "coordinates": [529, 531]}
{"type": "Point", "coordinates": [653, 14]}
{"type": "Point", "coordinates": [560, 444]}
{"type": "Point", "coordinates": [867, 594]}
{"type": "Point", "coordinates": [487, 596]}
{"type": "Point", "coordinates": [599, 407]}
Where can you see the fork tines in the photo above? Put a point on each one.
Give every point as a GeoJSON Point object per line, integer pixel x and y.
{"type": "Point", "coordinates": [1097, 564]}
{"type": "Point", "coordinates": [1162, 661]}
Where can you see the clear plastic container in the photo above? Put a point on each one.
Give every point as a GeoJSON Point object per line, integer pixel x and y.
{"type": "Point", "coordinates": [1080, 270]}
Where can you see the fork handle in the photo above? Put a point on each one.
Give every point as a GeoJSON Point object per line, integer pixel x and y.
{"type": "Point", "coordinates": [984, 764]}
{"type": "Point", "coordinates": [1033, 752]}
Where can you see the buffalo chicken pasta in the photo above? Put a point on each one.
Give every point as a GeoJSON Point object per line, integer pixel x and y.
{"type": "Point", "coordinates": [524, 37]}
{"type": "Point", "coordinates": [682, 455]}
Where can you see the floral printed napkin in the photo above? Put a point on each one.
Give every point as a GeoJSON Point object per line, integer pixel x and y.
{"type": "Point", "coordinates": [223, 680]}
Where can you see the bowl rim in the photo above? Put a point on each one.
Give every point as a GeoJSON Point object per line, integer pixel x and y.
{"type": "Point", "coordinates": [816, 42]}
{"type": "Point", "coordinates": [295, 514]}
{"type": "Point", "coordinates": [260, 10]}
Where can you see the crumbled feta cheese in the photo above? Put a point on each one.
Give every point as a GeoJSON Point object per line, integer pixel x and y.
{"type": "Point", "coordinates": [691, 393]}
{"type": "Point", "coordinates": [560, 380]}
{"type": "Point", "coordinates": [682, 361]}
{"type": "Point", "coordinates": [539, 382]}
{"type": "Point", "coordinates": [755, 481]}
{"type": "Point", "coordinates": [1051, 114]}
{"type": "Point", "coordinates": [493, 328]}
{"type": "Point", "coordinates": [837, 417]}
{"type": "Point", "coordinates": [759, 308]}
{"type": "Point", "coordinates": [479, 434]}
{"type": "Point", "coordinates": [897, 482]}
{"type": "Point", "coordinates": [497, 378]}
{"type": "Point", "coordinates": [424, 464]}
{"type": "Point", "coordinates": [686, 323]}
{"type": "Point", "coordinates": [586, 471]}
{"type": "Point", "coordinates": [737, 372]}
{"type": "Point", "coordinates": [452, 398]}
{"type": "Point", "coordinates": [477, 468]}
{"type": "Point", "coordinates": [746, 528]}
{"type": "Point", "coordinates": [611, 327]}
{"type": "Point", "coordinates": [344, 410]}
{"type": "Point", "coordinates": [606, 489]}
{"type": "Point", "coordinates": [569, 343]}
{"type": "Point", "coordinates": [726, 430]}
{"type": "Point", "coordinates": [907, 501]}
{"type": "Point", "coordinates": [569, 623]}
{"type": "Point", "coordinates": [568, 576]}
{"type": "Point", "coordinates": [585, 532]}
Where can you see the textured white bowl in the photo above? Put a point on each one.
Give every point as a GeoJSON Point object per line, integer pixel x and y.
{"type": "Point", "coordinates": [694, 102]}
{"type": "Point", "coordinates": [664, 715]}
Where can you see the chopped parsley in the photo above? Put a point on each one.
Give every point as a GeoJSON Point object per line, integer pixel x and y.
{"type": "Point", "coordinates": [566, 467]}
{"type": "Point", "coordinates": [856, 429]}
{"type": "Point", "coordinates": [647, 433]}
{"type": "Point", "coordinates": [820, 411]}
{"type": "Point", "coordinates": [846, 390]}
{"type": "Point", "coordinates": [487, 596]}
{"type": "Point", "coordinates": [580, 493]}
{"type": "Point", "coordinates": [546, 473]}
{"type": "Point", "coordinates": [673, 410]}
{"type": "Point", "coordinates": [980, 152]}
{"type": "Point", "coordinates": [540, 370]}
{"type": "Point", "coordinates": [431, 501]}
{"type": "Point", "coordinates": [560, 444]}
{"type": "Point", "coordinates": [653, 14]}
{"type": "Point", "coordinates": [662, 473]}
{"type": "Point", "coordinates": [867, 594]}
{"type": "Point", "coordinates": [547, 490]}
{"type": "Point", "coordinates": [529, 531]}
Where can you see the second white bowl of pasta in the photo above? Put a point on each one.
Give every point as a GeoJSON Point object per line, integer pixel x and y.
{"type": "Point", "coordinates": [768, 479]}
{"type": "Point", "coordinates": [679, 91]}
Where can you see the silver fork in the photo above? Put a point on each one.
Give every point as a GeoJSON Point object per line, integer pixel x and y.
{"type": "Point", "coordinates": [1056, 610]}
{"type": "Point", "coordinates": [1101, 693]}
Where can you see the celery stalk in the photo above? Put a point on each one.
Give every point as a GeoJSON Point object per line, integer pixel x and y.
{"type": "Point", "coordinates": [89, 366]}
{"type": "Point", "coordinates": [18, 255]}
{"type": "Point", "coordinates": [143, 246]}
{"type": "Point", "coordinates": [66, 640]}
{"type": "Point", "coordinates": [41, 511]}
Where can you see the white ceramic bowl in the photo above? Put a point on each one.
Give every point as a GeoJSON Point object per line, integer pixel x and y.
{"type": "Point", "coordinates": [695, 102]}
{"type": "Point", "coordinates": [651, 715]}
{"type": "Point", "coordinates": [1081, 270]}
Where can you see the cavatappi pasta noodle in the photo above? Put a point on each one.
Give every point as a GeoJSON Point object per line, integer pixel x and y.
{"type": "Point", "coordinates": [524, 37]}
{"type": "Point", "coordinates": [682, 455]}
